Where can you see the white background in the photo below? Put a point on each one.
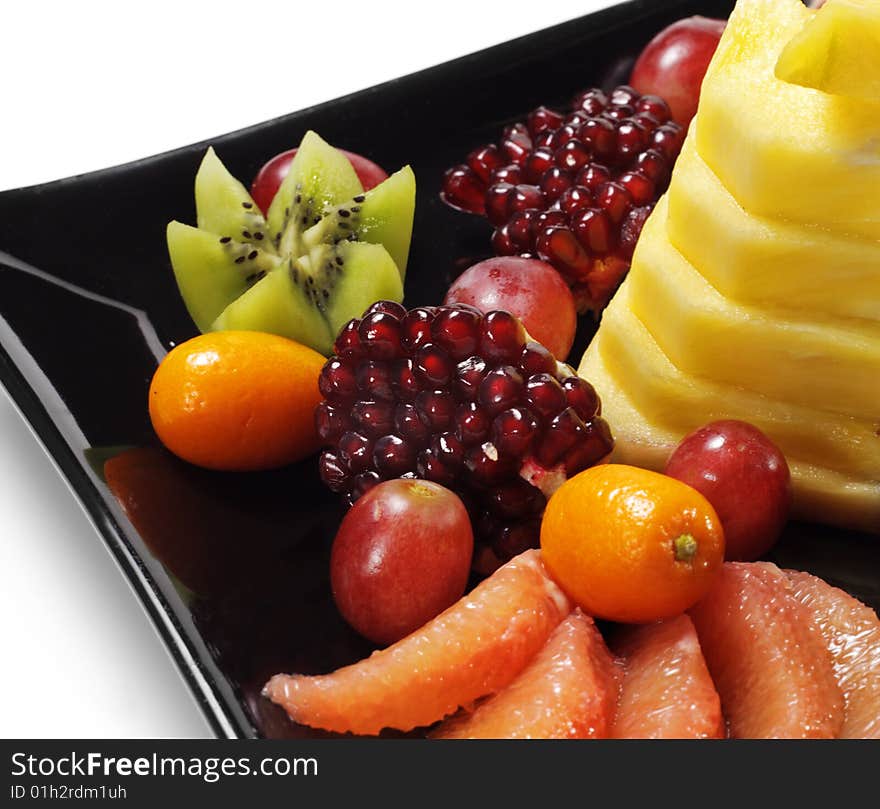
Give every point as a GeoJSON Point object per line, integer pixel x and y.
{"type": "Point", "coordinates": [92, 84]}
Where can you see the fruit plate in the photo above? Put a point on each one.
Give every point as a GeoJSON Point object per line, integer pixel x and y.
{"type": "Point", "coordinates": [233, 568]}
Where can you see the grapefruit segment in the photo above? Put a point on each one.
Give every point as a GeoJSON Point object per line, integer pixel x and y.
{"type": "Point", "coordinates": [473, 649]}
{"type": "Point", "coordinates": [851, 632]}
{"type": "Point", "coordinates": [568, 691]}
{"type": "Point", "coordinates": [770, 665]}
{"type": "Point", "coordinates": [667, 691]}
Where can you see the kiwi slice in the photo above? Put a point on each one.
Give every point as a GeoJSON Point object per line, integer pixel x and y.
{"type": "Point", "coordinates": [323, 253]}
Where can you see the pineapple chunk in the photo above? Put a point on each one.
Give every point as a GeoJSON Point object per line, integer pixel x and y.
{"type": "Point", "coordinates": [707, 336]}
{"type": "Point", "coordinates": [837, 51]}
{"type": "Point", "coordinates": [784, 150]}
{"type": "Point", "coordinates": [767, 262]}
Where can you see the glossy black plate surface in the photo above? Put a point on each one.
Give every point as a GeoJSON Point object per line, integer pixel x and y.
{"type": "Point", "coordinates": [233, 568]}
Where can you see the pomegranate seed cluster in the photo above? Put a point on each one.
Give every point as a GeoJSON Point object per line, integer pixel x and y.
{"type": "Point", "coordinates": [463, 399]}
{"type": "Point", "coordinates": [574, 189]}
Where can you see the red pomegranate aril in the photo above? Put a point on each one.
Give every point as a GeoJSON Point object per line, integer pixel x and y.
{"type": "Point", "coordinates": [348, 343]}
{"type": "Point", "coordinates": [472, 424]}
{"type": "Point", "coordinates": [653, 165]}
{"type": "Point", "coordinates": [545, 395]}
{"type": "Point", "coordinates": [524, 197]}
{"type": "Point", "coordinates": [409, 424]}
{"type": "Point", "coordinates": [361, 484]}
{"type": "Point", "coordinates": [486, 465]}
{"type": "Point", "coordinates": [375, 418]}
{"type": "Point", "coordinates": [615, 200]}
{"type": "Point", "coordinates": [502, 337]}
{"type": "Point", "coordinates": [594, 230]}
{"type": "Point", "coordinates": [511, 174]}
{"type": "Point", "coordinates": [485, 160]}
{"type": "Point", "coordinates": [640, 188]}
{"type": "Point", "coordinates": [516, 143]}
{"type": "Point", "coordinates": [433, 366]}
{"type": "Point", "coordinates": [618, 114]}
{"type": "Point", "coordinates": [333, 472]}
{"type": "Point", "coordinates": [386, 307]}
{"type": "Point", "coordinates": [536, 359]}
{"type": "Point", "coordinates": [500, 389]}
{"type": "Point", "coordinates": [463, 190]}
{"type": "Point", "coordinates": [380, 335]}
{"type": "Point", "coordinates": [560, 436]}
{"type": "Point", "coordinates": [536, 165]}
{"type": "Point", "coordinates": [543, 119]}
{"type": "Point", "coordinates": [457, 332]}
{"type": "Point", "coordinates": [468, 376]}
{"type": "Point", "coordinates": [555, 182]}
{"type": "Point", "coordinates": [582, 396]}
{"type": "Point", "coordinates": [593, 177]}
{"type": "Point", "coordinates": [331, 422]}
{"type": "Point", "coordinates": [356, 451]}
{"type": "Point", "coordinates": [547, 219]}
{"type": "Point", "coordinates": [374, 379]}
{"type": "Point", "coordinates": [576, 199]}
{"type": "Point", "coordinates": [632, 138]}
{"type": "Point", "coordinates": [668, 140]}
{"type": "Point", "coordinates": [336, 381]}
{"type": "Point", "coordinates": [415, 328]}
{"type": "Point", "coordinates": [576, 119]}
{"type": "Point", "coordinates": [592, 101]}
{"type": "Point", "coordinates": [430, 467]}
{"type": "Point", "coordinates": [448, 449]}
{"type": "Point", "coordinates": [516, 500]}
{"type": "Point", "coordinates": [502, 242]}
{"type": "Point", "coordinates": [497, 199]}
{"type": "Point", "coordinates": [404, 382]}
{"type": "Point", "coordinates": [559, 246]}
{"type": "Point", "coordinates": [573, 155]}
{"type": "Point", "coordinates": [594, 443]}
{"type": "Point", "coordinates": [519, 230]}
{"type": "Point", "coordinates": [600, 135]}
{"type": "Point", "coordinates": [436, 407]}
{"type": "Point", "coordinates": [654, 106]}
{"type": "Point", "coordinates": [513, 431]}
{"type": "Point", "coordinates": [392, 456]}
{"type": "Point", "coordinates": [624, 95]}
{"type": "Point", "coordinates": [631, 229]}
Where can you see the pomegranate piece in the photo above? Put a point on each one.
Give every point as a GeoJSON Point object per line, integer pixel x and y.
{"type": "Point", "coordinates": [574, 189]}
{"type": "Point", "coordinates": [745, 477]}
{"type": "Point", "coordinates": [568, 691]}
{"type": "Point", "coordinates": [463, 399]}
{"type": "Point", "coordinates": [770, 665]}
{"type": "Point", "coordinates": [851, 632]}
{"type": "Point", "coordinates": [674, 62]}
{"type": "Point", "coordinates": [667, 692]}
{"type": "Point", "coordinates": [473, 649]}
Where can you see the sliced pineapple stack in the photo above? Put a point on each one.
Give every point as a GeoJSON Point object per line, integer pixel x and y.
{"type": "Point", "coordinates": [754, 291]}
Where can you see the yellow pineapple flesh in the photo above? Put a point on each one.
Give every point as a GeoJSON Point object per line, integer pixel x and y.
{"type": "Point", "coordinates": [754, 291]}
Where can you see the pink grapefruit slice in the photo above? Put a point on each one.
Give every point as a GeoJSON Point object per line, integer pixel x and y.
{"type": "Point", "coordinates": [568, 691]}
{"type": "Point", "coordinates": [667, 691]}
{"type": "Point", "coordinates": [851, 632]}
{"type": "Point", "coordinates": [769, 664]}
{"type": "Point", "coordinates": [473, 649]}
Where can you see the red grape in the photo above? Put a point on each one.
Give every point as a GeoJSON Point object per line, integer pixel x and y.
{"type": "Point", "coordinates": [270, 177]}
{"type": "Point", "coordinates": [674, 62]}
{"type": "Point", "coordinates": [745, 477]}
{"type": "Point", "coordinates": [402, 555]}
{"type": "Point", "coordinates": [528, 288]}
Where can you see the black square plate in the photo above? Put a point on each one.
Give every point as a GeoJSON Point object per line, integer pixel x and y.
{"type": "Point", "coordinates": [233, 568]}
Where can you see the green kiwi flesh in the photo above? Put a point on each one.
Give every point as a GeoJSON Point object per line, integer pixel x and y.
{"type": "Point", "coordinates": [323, 253]}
